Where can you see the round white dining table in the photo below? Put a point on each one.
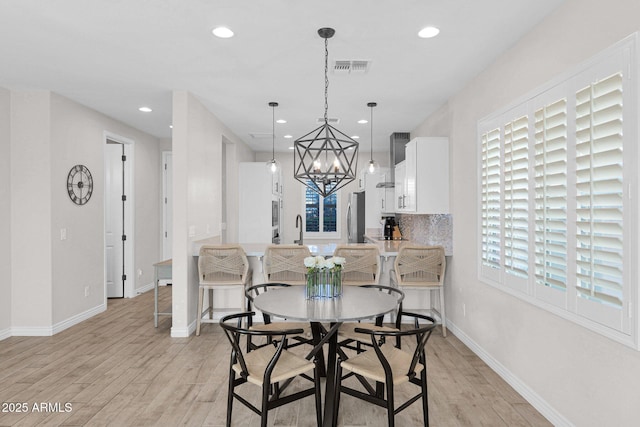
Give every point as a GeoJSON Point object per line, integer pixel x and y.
{"type": "Point", "coordinates": [356, 303]}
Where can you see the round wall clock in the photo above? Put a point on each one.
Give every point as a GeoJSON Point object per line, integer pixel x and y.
{"type": "Point", "coordinates": [79, 184]}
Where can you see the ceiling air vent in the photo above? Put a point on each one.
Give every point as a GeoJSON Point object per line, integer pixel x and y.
{"type": "Point", "coordinates": [331, 120]}
{"type": "Point", "coordinates": [259, 135]}
{"type": "Point", "coordinates": [356, 66]}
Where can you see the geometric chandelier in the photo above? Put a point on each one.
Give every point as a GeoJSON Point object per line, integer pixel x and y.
{"type": "Point", "coordinates": [325, 159]}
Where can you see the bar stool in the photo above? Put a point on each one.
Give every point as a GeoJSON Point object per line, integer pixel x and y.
{"type": "Point", "coordinates": [285, 264]}
{"type": "Point", "coordinates": [221, 267]}
{"type": "Point", "coordinates": [362, 264]}
{"type": "Point", "coordinates": [422, 267]}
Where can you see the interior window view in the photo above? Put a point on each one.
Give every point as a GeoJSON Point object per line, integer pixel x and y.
{"type": "Point", "coordinates": [285, 213]}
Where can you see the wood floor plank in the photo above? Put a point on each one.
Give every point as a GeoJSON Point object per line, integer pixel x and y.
{"type": "Point", "coordinates": [117, 369]}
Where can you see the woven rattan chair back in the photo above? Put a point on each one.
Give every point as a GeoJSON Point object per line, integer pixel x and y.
{"type": "Point", "coordinates": [422, 266]}
{"type": "Point", "coordinates": [362, 264]}
{"type": "Point", "coordinates": [285, 264]}
{"type": "Point", "coordinates": [222, 265]}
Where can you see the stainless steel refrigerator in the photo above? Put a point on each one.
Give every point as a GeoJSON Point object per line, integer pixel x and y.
{"type": "Point", "coordinates": [355, 218]}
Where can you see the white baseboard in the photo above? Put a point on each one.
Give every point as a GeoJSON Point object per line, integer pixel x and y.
{"type": "Point", "coordinates": [74, 320]}
{"type": "Point", "coordinates": [46, 331]}
{"type": "Point", "coordinates": [518, 385]}
{"type": "Point", "coordinates": [146, 288]}
{"type": "Point", "coordinates": [5, 333]}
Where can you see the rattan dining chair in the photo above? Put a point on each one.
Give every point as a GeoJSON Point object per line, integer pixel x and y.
{"type": "Point", "coordinates": [271, 368]}
{"type": "Point", "coordinates": [220, 267]}
{"type": "Point", "coordinates": [285, 264]}
{"type": "Point", "coordinates": [362, 264]}
{"type": "Point", "coordinates": [388, 366]}
{"type": "Point", "coordinates": [422, 267]}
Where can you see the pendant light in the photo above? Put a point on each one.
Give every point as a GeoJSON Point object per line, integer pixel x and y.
{"type": "Point", "coordinates": [373, 167]}
{"type": "Point", "coordinates": [325, 159]}
{"type": "Point", "coordinates": [272, 165]}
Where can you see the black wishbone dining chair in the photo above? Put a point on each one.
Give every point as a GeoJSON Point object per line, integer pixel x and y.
{"type": "Point", "coordinates": [389, 366]}
{"type": "Point", "coordinates": [267, 367]}
{"type": "Point", "coordinates": [267, 322]}
{"type": "Point", "coordinates": [349, 338]}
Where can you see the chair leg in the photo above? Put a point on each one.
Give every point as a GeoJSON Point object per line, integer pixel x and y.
{"type": "Point", "coordinates": [442, 312]}
{"type": "Point", "coordinates": [199, 318]}
{"type": "Point", "coordinates": [336, 400]}
{"type": "Point", "coordinates": [316, 379]}
{"type": "Point", "coordinates": [390, 407]}
{"type": "Point", "coordinates": [425, 399]}
{"type": "Point", "coordinates": [210, 303]}
{"type": "Point", "coordinates": [265, 405]}
{"type": "Point", "coordinates": [232, 377]}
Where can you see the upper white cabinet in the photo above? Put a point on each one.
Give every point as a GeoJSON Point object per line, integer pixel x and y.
{"type": "Point", "coordinates": [422, 184]}
{"type": "Point", "coordinates": [361, 180]}
{"type": "Point", "coordinates": [385, 194]}
{"type": "Point", "coordinates": [276, 183]}
{"type": "Point", "coordinates": [400, 189]}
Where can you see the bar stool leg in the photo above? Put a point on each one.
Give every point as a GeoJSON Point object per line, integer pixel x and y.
{"type": "Point", "coordinates": [199, 319]}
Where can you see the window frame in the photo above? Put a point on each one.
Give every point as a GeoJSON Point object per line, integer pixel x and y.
{"type": "Point", "coordinates": [322, 234]}
{"type": "Point", "coordinates": [622, 58]}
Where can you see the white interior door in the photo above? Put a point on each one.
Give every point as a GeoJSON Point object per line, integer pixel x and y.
{"type": "Point", "coordinates": [167, 201]}
{"type": "Point", "coordinates": [114, 224]}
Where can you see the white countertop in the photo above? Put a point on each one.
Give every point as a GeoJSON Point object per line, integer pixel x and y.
{"type": "Point", "coordinates": [387, 248]}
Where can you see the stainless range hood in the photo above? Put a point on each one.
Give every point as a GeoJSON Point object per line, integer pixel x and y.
{"type": "Point", "coordinates": [397, 141]}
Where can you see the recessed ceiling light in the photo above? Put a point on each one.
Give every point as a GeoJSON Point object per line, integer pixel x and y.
{"type": "Point", "coordinates": [428, 32]}
{"type": "Point", "coordinates": [281, 121]}
{"type": "Point", "coordinates": [355, 137]}
{"type": "Point", "coordinates": [222, 32]}
{"type": "Point", "coordinates": [170, 126]}
{"type": "Point", "coordinates": [288, 136]}
{"type": "Point", "coordinates": [290, 148]}
{"type": "Point", "coordinates": [363, 121]}
{"type": "Point", "coordinates": [145, 109]}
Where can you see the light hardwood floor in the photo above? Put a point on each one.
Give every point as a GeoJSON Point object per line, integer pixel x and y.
{"type": "Point", "coordinates": [117, 369]}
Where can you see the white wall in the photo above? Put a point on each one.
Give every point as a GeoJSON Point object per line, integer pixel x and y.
{"type": "Point", "coordinates": [5, 213]}
{"type": "Point", "coordinates": [31, 264]}
{"type": "Point", "coordinates": [50, 134]}
{"type": "Point", "coordinates": [572, 374]}
{"type": "Point", "coordinates": [197, 188]}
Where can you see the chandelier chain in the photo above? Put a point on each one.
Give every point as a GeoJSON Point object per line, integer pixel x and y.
{"type": "Point", "coordinates": [326, 80]}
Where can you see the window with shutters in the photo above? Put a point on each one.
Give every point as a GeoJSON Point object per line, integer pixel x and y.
{"type": "Point", "coordinates": [557, 220]}
{"type": "Point", "coordinates": [321, 215]}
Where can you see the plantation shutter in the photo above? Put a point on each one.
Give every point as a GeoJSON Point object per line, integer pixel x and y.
{"type": "Point", "coordinates": [599, 197]}
{"type": "Point", "coordinates": [491, 199]}
{"type": "Point", "coordinates": [551, 195]}
{"type": "Point", "coordinates": [516, 197]}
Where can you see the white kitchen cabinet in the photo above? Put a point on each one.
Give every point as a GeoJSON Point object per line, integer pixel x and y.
{"type": "Point", "coordinates": [400, 187]}
{"type": "Point", "coordinates": [423, 184]}
{"type": "Point", "coordinates": [276, 183]}
{"type": "Point", "coordinates": [361, 179]}
{"type": "Point", "coordinates": [385, 194]}
{"type": "Point", "coordinates": [259, 202]}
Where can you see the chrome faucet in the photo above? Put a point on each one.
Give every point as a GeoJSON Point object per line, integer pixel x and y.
{"type": "Point", "coordinates": [299, 223]}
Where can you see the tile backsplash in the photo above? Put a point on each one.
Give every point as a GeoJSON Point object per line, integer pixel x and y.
{"type": "Point", "coordinates": [436, 229]}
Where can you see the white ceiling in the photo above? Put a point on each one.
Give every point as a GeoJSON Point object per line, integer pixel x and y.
{"type": "Point", "coordinates": [117, 55]}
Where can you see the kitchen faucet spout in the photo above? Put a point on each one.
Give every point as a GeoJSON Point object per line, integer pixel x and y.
{"type": "Point", "coordinates": [299, 224]}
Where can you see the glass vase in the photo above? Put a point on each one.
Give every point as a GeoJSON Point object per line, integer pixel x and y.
{"type": "Point", "coordinates": [323, 284]}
